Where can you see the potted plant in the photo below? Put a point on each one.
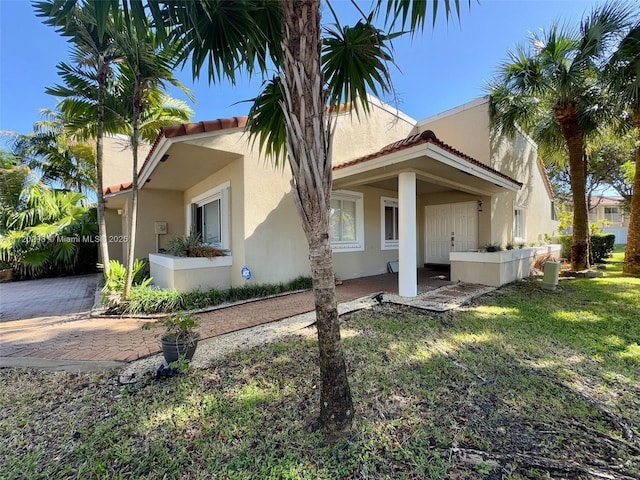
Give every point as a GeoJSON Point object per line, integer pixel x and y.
{"type": "Point", "coordinates": [179, 341]}
{"type": "Point", "coordinates": [193, 246]}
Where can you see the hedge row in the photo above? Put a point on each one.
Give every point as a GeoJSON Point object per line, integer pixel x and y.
{"type": "Point", "coordinates": [601, 246]}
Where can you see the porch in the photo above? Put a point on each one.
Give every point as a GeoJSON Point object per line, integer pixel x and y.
{"type": "Point", "coordinates": [445, 201]}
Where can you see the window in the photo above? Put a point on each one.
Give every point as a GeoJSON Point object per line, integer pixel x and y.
{"type": "Point", "coordinates": [346, 221]}
{"type": "Point", "coordinates": [554, 212]}
{"type": "Point", "coordinates": [389, 223]}
{"type": "Point", "coordinates": [519, 232]}
{"type": "Point", "coordinates": [208, 216]}
{"type": "Point", "coordinates": [207, 223]}
{"type": "Point", "coordinates": [612, 214]}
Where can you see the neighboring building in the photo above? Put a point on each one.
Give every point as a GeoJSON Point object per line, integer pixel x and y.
{"type": "Point", "coordinates": [609, 212]}
{"type": "Point", "coordinates": [393, 177]}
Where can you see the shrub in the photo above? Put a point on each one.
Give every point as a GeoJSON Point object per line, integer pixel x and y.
{"type": "Point", "coordinates": [115, 281]}
{"type": "Point", "coordinates": [192, 246]}
{"type": "Point", "coordinates": [565, 241]}
{"type": "Point", "coordinates": [146, 298]}
{"type": "Point", "coordinates": [602, 247]}
{"type": "Point", "coordinates": [493, 247]}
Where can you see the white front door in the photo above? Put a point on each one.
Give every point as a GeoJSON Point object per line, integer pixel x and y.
{"type": "Point", "coordinates": [451, 227]}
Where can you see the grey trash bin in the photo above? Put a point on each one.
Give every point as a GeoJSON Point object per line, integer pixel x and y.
{"type": "Point", "coordinates": [551, 273]}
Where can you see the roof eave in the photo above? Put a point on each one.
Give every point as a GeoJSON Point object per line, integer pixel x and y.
{"type": "Point", "coordinates": [430, 150]}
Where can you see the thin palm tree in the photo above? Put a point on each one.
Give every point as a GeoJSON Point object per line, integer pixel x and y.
{"type": "Point", "coordinates": [93, 54]}
{"type": "Point", "coordinates": [146, 68]}
{"type": "Point", "coordinates": [624, 81]}
{"type": "Point", "coordinates": [552, 89]}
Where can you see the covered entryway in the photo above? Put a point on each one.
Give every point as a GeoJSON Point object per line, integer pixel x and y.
{"type": "Point", "coordinates": [424, 170]}
{"type": "Point", "coordinates": [451, 227]}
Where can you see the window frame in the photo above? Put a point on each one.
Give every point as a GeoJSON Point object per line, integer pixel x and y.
{"type": "Point", "coordinates": [356, 245]}
{"type": "Point", "coordinates": [614, 214]}
{"type": "Point", "coordinates": [523, 224]}
{"type": "Point", "coordinates": [221, 194]}
{"type": "Point", "coordinates": [386, 244]}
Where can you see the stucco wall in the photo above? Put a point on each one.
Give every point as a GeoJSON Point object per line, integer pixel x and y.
{"type": "Point", "coordinates": [118, 158]}
{"type": "Point", "coordinates": [373, 260]}
{"type": "Point", "coordinates": [276, 246]}
{"type": "Point", "coordinates": [518, 158]}
{"type": "Point", "coordinates": [466, 128]}
{"type": "Point", "coordinates": [155, 206]}
{"type": "Point", "coordinates": [114, 230]}
{"type": "Point", "coordinates": [356, 137]}
{"type": "Point", "coordinates": [234, 174]}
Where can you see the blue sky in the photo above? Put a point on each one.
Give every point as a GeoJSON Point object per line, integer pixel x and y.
{"type": "Point", "coordinates": [439, 69]}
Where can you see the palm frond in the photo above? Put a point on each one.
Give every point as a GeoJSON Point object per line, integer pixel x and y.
{"type": "Point", "coordinates": [355, 59]}
{"type": "Point", "coordinates": [267, 123]}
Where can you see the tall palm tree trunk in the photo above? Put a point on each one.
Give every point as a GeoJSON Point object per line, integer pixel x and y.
{"type": "Point", "coordinates": [133, 213]}
{"type": "Point", "coordinates": [102, 224]}
{"type": "Point", "coordinates": [632, 250]}
{"type": "Point", "coordinates": [308, 142]}
{"type": "Point", "coordinates": [567, 118]}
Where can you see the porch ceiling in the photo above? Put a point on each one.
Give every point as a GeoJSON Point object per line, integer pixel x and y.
{"type": "Point", "coordinates": [434, 170]}
{"type": "Point", "coordinates": [186, 165]}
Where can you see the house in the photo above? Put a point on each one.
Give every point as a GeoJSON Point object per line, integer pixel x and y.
{"type": "Point", "coordinates": [610, 214]}
{"type": "Point", "coordinates": [403, 190]}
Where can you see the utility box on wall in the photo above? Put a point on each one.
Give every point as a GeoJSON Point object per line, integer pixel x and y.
{"type": "Point", "coordinates": [161, 228]}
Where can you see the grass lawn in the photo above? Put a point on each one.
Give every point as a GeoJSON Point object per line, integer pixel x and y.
{"type": "Point", "coordinates": [524, 383]}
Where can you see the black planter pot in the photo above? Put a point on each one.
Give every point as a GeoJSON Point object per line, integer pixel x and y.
{"type": "Point", "coordinates": [174, 349]}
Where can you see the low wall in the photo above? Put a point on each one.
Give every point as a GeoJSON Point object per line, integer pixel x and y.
{"type": "Point", "coordinates": [497, 268]}
{"type": "Point", "coordinates": [186, 274]}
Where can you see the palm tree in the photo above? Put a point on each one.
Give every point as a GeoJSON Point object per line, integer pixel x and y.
{"type": "Point", "coordinates": [144, 71]}
{"type": "Point", "coordinates": [60, 157]}
{"type": "Point", "coordinates": [622, 73]}
{"type": "Point", "coordinates": [45, 233]}
{"type": "Point", "coordinates": [289, 33]}
{"type": "Point", "coordinates": [552, 90]}
{"type": "Point", "coordinates": [249, 36]}
{"type": "Point", "coordinates": [93, 54]}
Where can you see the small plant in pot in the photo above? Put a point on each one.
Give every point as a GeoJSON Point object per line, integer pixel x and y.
{"type": "Point", "coordinates": [180, 339]}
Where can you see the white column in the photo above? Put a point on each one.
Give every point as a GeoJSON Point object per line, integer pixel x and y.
{"type": "Point", "coordinates": [407, 274]}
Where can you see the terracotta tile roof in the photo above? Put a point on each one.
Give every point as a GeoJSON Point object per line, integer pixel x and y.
{"type": "Point", "coordinates": [422, 138]}
{"type": "Point", "coordinates": [606, 201]}
{"type": "Point", "coordinates": [545, 178]}
{"type": "Point", "coordinates": [193, 128]}
{"type": "Point", "coordinates": [117, 188]}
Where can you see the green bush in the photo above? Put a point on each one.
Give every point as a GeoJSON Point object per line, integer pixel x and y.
{"type": "Point", "coordinates": [118, 275]}
{"type": "Point", "coordinates": [149, 299]}
{"type": "Point", "coordinates": [601, 246]}
{"type": "Point", "coordinates": [565, 241]}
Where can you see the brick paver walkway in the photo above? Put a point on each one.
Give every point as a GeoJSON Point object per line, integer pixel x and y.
{"type": "Point", "coordinates": [75, 336]}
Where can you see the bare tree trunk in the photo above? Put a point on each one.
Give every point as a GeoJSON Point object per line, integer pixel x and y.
{"type": "Point", "coordinates": [133, 214]}
{"type": "Point", "coordinates": [567, 118]}
{"type": "Point", "coordinates": [309, 136]}
{"type": "Point", "coordinates": [102, 224]}
{"type": "Point", "coordinates": [632, 250]}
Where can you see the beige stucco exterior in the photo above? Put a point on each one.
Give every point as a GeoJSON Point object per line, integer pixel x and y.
{"type": "Point", "coordinates": [467, 128]}
{"type": "Point", "coordinates": [118, 159]}
{"type": "Point", "coordinates": [263, 229]}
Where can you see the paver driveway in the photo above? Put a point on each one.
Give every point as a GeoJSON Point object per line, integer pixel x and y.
{"type": "Point", "coordinates": [49, 319]}
{"type": "Point", "coordinates": [47, 298]}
